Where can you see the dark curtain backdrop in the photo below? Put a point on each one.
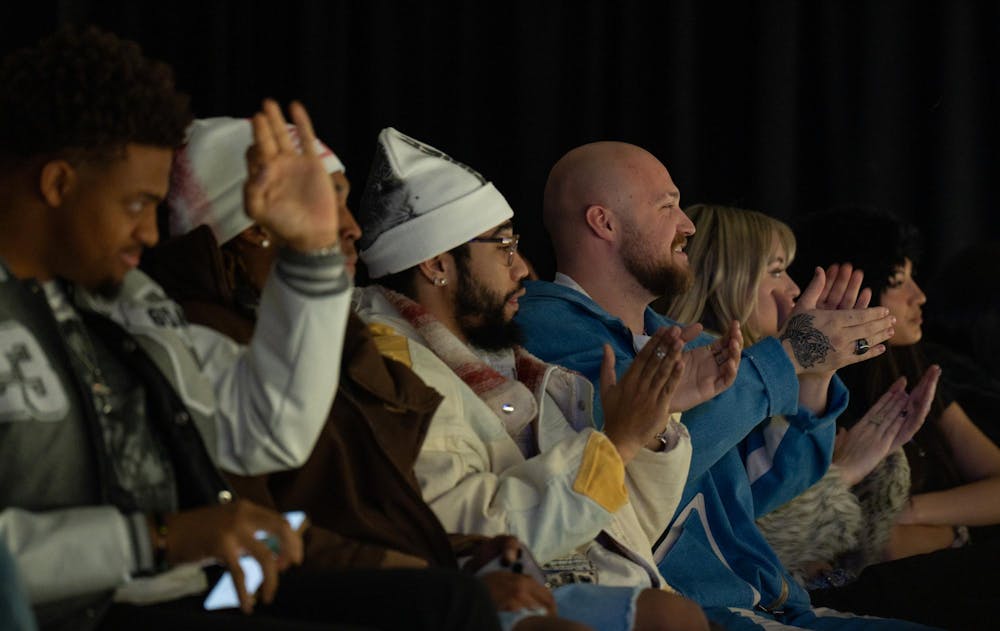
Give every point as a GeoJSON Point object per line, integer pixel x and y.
{"type": "Point", "coordinates": [783, 107]}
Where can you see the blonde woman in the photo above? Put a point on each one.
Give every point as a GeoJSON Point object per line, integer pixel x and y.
{"type": "Point", "coordinates": [831, 532]}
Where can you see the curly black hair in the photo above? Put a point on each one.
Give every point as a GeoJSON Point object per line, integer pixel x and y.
{"type": "Point", "coordinates": [85, 93]}
{"type": "Point", "coordinates": [879, 243]}
{"type": "Point", "coordinates": [875, 241]}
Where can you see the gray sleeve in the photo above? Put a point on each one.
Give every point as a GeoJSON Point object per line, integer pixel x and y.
{"type": "Point", "coordinates": [273, 397]}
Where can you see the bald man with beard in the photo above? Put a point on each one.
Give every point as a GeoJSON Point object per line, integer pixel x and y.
{"type": "Point", "coordinates": [619, 233]}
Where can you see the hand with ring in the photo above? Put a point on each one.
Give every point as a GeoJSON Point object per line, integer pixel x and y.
{"type": "Point", "coordinates": [710, 369]}
{"type": "Point", "coordinates": [819, 340]}
{"type": "Point", "coordinates": [637, 406]}
{"type": "Point", "coordinates": [889, 423]}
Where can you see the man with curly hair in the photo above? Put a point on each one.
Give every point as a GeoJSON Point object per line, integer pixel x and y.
{"type": "Point", "coordinates": [114, 412]}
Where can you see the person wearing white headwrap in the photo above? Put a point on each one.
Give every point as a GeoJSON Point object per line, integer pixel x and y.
{"type": "Point", "coordinates": [512, 448]}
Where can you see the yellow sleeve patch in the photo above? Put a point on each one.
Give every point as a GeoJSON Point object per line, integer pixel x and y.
{"type": "Point", "coordinates": [602, 475]}
{"type": "Point", "coordinates": [391, 344]}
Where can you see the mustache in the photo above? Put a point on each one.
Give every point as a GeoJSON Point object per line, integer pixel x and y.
{"type": "Point", "coordinates": [679, 240]}
{"type": "Point", "coordinates": [516, 291]}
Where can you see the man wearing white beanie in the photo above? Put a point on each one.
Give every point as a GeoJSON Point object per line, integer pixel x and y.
{"type": "Point", "coordinates": [512, 448]}
{"type": "Point", "coordinates": [364, 506]}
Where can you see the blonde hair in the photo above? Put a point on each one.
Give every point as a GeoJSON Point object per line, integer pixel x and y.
{"type": "Point", "coordinates": [728, 255]}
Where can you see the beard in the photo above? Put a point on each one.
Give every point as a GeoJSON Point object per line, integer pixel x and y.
{"type": "Point", "coordinates": [658, 277]}
{"type": "Point", "coordinates": [480, 314]}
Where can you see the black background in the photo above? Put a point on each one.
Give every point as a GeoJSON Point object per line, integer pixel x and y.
{"type": "Point", "coordinates": [783, 107]}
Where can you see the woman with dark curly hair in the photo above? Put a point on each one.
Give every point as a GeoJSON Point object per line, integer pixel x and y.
{"type": "Point", "coordinates": [955, 468]}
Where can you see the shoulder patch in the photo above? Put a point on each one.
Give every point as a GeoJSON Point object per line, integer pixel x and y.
{"type": "Point", "coordinates": [391, 344]}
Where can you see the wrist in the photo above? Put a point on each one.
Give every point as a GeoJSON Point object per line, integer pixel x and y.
{"type": "Point", "coordinates": [627, 449]}
{"type": "Point", "coordinates": [849, 477]}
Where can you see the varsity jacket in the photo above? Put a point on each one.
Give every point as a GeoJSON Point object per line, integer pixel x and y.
{"type": "Point", "coordinates": [744, 462]}
{"type": "Point", "coordinates": [213, 403]}
{"type": "Point", "coordinates": [574, 496]}
{"type": "Point", "coordinates": [358, 486]}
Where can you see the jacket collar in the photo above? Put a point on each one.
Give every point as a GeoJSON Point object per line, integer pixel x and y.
{"type": "Point", "coordinates": [542, 289]}
{"type": "Point", "coordinates": [369, 371]}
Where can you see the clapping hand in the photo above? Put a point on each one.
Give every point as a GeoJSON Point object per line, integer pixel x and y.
{"type": "Point", "coordinates": [708, 369]}
{"type": "Point", "coordinates": [891, 422]}
{"type": "Point", "coordinates": [638, 406]}
{"type": "Point", "coordinates": [819, 339]}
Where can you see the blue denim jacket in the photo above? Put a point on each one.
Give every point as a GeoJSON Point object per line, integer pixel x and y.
{"type": "Point", "coordinates": [753, 450]}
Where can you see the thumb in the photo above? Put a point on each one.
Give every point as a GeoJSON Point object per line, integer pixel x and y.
{"type": "Point", "coordinates": [812, 293]}
{"type": "Point", "coordinates": [608, 378]}
{"type": "Point", "coordinates": [691, 331]}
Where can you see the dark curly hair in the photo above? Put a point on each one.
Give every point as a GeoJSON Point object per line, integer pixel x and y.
{"type": "Point", "coordinates": [875, 241]}
{"type": "Point", "coordinates": [879, 243]}
{"type": "Point", "coordinates": [83, 93]}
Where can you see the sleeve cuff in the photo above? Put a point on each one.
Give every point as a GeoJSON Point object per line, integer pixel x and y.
{"type": "Point", "coordinates": [313, 275]}
{"type": "Point", "coordinates": [142, 548]}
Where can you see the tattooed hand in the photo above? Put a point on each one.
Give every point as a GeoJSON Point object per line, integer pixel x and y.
{"type": "Point", "coordinates": [820, 340]}
{"type": "Point", "coordinates": [809, 344]}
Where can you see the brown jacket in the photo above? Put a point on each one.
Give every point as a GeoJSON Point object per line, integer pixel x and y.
{"type": "Point", "coordinates": [358, 486]}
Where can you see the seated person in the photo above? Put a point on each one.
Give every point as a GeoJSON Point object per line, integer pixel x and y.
{"type": "Point", "coordinates": [358, 488]}
{"type": "Point", "coordinates": [116, 412]}
{"type": "Point", "coordinates": [841, 525]}
{"type": "Point", "coordinates": [619, 235]}
{"type": "Point", "coordinates": [512, 447]}
{"type": "Point", "coordinates": [954, 467]}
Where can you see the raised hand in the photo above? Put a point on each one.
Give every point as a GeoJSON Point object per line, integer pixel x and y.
{"type": "Point", "coordinates": [227, 531]}
{"type": "Point", "coordinates": [638, 407]}
{"type": "Point", "coordinates": [708, 369]}
{"type": "Point", "coordinates": [858, 450]}
{"type": "Point", "coordinates": [918, 406]}
{"type": "Point", "coordinates": [842, 289]}
{"type": "Point", "coordinates": [889, 423]}
{"type": "Point", "coordinates": [822, 340]}
{"type": "Point", "coordinates": [288, 191]}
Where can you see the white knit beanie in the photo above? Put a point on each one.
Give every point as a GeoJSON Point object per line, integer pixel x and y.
{"type": "Point", "coordinates": [419, 202]}
{"type": "Point", "coordinates": [206, 180]}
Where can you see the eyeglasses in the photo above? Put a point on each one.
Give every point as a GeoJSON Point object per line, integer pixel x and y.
{"type": "Point", "coordinates": [504, 243]}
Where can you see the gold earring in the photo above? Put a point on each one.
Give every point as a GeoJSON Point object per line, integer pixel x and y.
{"type": "Point", "coordinates": [440, 281]}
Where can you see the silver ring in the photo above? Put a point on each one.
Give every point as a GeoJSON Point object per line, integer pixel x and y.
{"type": "Point", "coordinates": [861, 346]}
{"type": "Point", "coordinates": [659, 353]}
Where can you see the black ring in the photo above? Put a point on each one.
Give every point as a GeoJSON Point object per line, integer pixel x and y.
{"type": "Point", "coordinates": [861, 346]}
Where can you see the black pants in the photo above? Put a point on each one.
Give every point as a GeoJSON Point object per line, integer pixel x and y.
{"type": "Point", "coordinates": [955, 589]}
{"type": "Point", "coordinates": [429, 600]}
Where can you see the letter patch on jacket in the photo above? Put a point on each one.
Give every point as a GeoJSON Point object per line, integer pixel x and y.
{"type": "Point", "coordinates": [29, 388]}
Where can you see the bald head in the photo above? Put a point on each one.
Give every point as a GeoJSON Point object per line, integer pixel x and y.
{"type": "Point", "coordinates": [614, 175]}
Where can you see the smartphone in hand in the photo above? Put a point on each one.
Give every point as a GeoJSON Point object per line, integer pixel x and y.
{"type": "Point", "coordinates": [223, 594]}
